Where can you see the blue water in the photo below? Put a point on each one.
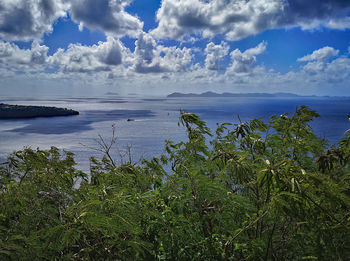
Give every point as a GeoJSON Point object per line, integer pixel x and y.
{"type": "Point", "coordinates": [155, 121]}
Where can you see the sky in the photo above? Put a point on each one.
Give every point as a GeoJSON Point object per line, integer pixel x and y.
{"type": "Point", "coordinates": [162, 46]}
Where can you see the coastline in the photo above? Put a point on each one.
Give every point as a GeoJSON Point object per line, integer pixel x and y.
{"type": "Point", "coordinates": [8, 111]}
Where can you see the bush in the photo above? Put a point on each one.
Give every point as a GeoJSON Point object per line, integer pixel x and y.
{"type": "Point", "coordinates": [256, 191]}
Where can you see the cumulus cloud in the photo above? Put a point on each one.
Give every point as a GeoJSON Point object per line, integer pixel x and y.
{"type": "Point", "coordinates": [323, 72]}
{"type": "Point", "coordinates": [337, 71]}
{"type": "Point", "coordinates": [77, 58]}
{"type": "Point", "coordinates": [176, 59]}
{"type": "Point", "coordinates": [12, 55]}
{"type": "Point", "coordinates": [237, 19]}
{"type": "Point", "coordinates": [80, 58]}
{"type": "Point", "coordinates": [25, 20]}
{"type": "Point", "coordinates": [145, 61]}
{"type": "Point", "coordinates": [106, 15]}
{"type": "Point", "coordinates": [319, 70]}
{"type": "Point", "coordinates": [38, 53]}
{"type": "Point", "coordinates": [317, 74]}
{"type": "Point", "coordinates": [322, 54]}
{"type": "Point", "coordinates": [243, 62]}
{"type": "Point", "coordinates": [7, 49]}
{"type": "Point", "coordinates": [110, 56]}
{"type": "Point", "coordinates": [153, 58]}
{"type": "Point", "coordinates": [215, 53]}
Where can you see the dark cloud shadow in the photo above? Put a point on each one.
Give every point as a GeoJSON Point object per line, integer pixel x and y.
{"type": "Point", "coordinates": [82, 122]}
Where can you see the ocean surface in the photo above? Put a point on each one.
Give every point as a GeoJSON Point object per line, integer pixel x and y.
{"type": "Point", "coordinates": [155, 120]}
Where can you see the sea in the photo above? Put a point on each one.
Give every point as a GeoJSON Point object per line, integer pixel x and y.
{"type": "Point", "coordinates": [152, 120]}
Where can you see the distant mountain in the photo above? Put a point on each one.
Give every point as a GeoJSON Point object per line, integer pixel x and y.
{"type": "Point", "coordinates": [8, 111]}
{"type": "Point", "coordinates": [228, 94]}
{"type": "Point", "coordinates": [111, 93]}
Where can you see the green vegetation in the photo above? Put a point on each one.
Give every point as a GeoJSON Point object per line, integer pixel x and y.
{"type": "Point", "coordinates": [256, 191]}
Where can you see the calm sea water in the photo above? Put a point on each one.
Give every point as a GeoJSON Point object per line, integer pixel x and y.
{"type": "Point", "coordinates": [155, 121]}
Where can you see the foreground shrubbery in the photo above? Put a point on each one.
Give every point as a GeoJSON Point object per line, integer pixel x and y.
{"type": "Point", "coordinates": [258, 192]}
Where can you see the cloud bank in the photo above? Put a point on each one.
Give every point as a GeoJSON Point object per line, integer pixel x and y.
{"type": "Point", "coordinates": [218, 24]}
{"type": "Point", "coordinates": [237, 19]}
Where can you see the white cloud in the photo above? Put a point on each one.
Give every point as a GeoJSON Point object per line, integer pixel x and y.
{"type": "Point", "coordinates": [176, 59]}
{"type": "Point", "coordinates": [106, 15]}
{"type": "Point", "coordinates": [144, 52]}
{"type": "Point", "coordinates": [322, 71]}
{"type": "Point", "coordinates": [152, 58]}
{"type": "Point", "coordinates": [110, 56]}
{"type": "Point", "coordinates": [318, 69]}
{"type": "Point", "coordinates": [338, 71]}
{"type": "Point", "coordinates": [237, 19]}
{"type": "Point", "coordinates": [25, 20]}
{"type": "Point", "coordinates": [339, 23]}
{"type": "Point", "coordinates": [14, 57]}
{"type": "Point", "coordinates": [79, 58]}
{"type": "Point", "coordinates": [38, 53]}
{"type": "Point", "coordinates": [322, 54]}
{"type": "Point", "coordinates": [315, 67]}
{"type": "Point", "coordinates": [243, 62]}
{"type": "Point", "coordinates": [215, 53]}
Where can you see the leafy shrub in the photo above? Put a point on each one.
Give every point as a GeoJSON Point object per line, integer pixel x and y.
{"type": "Point", "coordinates": [254, 191]}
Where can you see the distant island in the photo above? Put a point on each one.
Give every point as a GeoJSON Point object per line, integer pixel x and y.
{"type": "Point", "coordinates": [111, 93]}
{"type": "Point", "coordinates": [8, 111]}
{"type": "Point", "coordinates": [228, 94]}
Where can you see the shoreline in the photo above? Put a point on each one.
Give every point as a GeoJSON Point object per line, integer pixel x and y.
{"type": "Point", "coordinates": [9, 112]}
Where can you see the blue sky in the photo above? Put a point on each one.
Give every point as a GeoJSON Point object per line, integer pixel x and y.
{"type": "Point", "coordinates": [175, 45]}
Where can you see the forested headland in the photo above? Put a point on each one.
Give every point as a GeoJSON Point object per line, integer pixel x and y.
{"type": "Point", "coordinates": [8, 111]}
{"type": "Point", "coordinates": [249, 191]}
